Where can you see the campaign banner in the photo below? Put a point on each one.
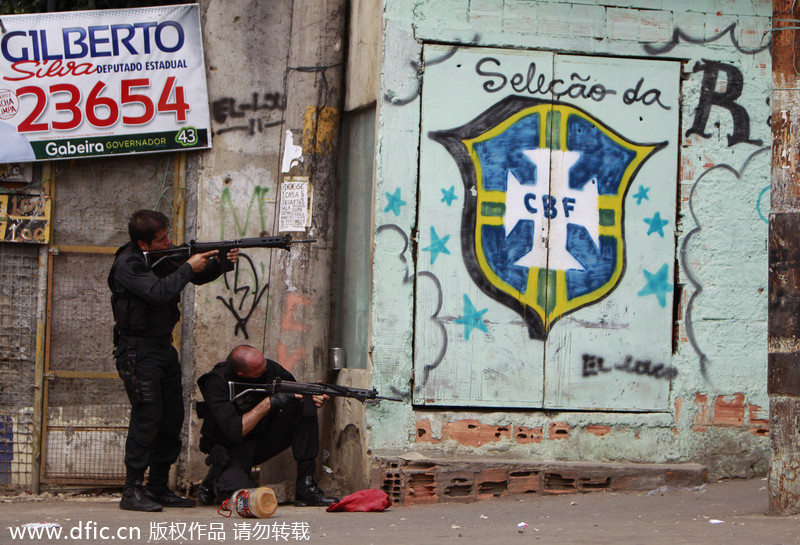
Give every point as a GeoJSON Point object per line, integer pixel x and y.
{"type": "Point", "coordinates": [107, 82]}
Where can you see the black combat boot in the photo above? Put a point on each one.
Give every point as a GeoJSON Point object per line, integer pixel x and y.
{"type": "Point", "coordinates": [205, 491]}
{"type": "Point", "coordinates": [133, 495]}
{"type": "Point", "coordinates": [306, 492]}
{"type": "Point", "coordinates": [158, 491]}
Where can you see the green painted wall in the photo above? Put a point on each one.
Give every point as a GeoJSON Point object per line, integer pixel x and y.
{"type": "Point", "coordinates": [656, 344]}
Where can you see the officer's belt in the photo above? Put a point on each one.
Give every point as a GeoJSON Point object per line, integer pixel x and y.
{"type": "Point", "coordinates": [145, 341]}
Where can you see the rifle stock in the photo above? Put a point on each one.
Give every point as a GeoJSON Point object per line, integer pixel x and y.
{"type": "Point", "coordinates": [223, 246]}
{"type": "Point", "coordinates": [239, 389]}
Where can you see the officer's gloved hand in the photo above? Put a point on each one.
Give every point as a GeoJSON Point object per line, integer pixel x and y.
{"type": "Point", "coordinates": [281, 401]}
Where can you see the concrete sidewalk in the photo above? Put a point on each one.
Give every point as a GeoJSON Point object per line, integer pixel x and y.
{"type": "Point", "coordinates": [728, 513]}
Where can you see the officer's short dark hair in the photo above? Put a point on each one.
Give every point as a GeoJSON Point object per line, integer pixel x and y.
{"type": "Point", "coordinates": [145, 224]}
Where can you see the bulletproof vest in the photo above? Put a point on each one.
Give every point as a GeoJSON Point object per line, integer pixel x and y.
{"type": "Point", "coordinates": [210, 435]}
{"type": "Point", "coordinates": [133, 316]}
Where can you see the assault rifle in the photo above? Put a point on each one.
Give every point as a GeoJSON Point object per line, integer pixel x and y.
{"type": "Point", "coordinates": [224, 246]}
{"type": "Point", "coordinates": [240, 389]}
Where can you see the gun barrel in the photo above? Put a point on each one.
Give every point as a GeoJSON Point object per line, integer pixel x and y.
{"type": "Point", "coordinates": [283, 241]}
{"type": "Point", "coordinates": [387, 398]}
{"type": "Point", "coordinates": [238, 389]}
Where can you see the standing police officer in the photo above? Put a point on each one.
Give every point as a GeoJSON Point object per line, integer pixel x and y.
{"type": "Point", "coordinates": [145, 305]}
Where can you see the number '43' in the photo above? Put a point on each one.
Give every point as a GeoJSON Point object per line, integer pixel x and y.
{"type": "Point", "coordinates": [186, 136]}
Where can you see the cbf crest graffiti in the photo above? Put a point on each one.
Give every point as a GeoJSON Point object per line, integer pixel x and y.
{"type": "Point", "coordinates": [542, 225]}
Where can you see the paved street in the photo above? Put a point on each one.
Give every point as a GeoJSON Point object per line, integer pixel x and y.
{"type": "Point", "coordinates": [724, 513]}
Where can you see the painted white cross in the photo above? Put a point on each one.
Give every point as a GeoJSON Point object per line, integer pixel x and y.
{"type": "Point", "coordinates": [524, 204]}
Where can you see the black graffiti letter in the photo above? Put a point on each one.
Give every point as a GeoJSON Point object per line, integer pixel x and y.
{"type": "Point", "coordinates": [491, 86]}
{"type": "Point", "coordinates": [710, 97]}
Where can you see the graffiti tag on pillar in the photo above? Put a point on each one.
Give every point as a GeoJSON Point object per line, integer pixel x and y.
{"type": "Point", "coordinates": [247, 292]}
{"type": "Point", "coordinates": [542, 223]}
{"type": "Point", "coordinates": [246, 113]}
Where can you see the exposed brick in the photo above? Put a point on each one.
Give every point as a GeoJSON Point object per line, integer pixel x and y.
{"type": "Point", "coordinates": [559, 483]}
{"type": "Point", "coordinates": [424, 434]}
{"type": "Point", "coordinates": [456, 486]}
{"type": "Point", "coordinates": [490, 434]}
{"type": "Point", "coordinates": [491, 483]}
{"type": "Point", "coordinates": [622, 482]}
{"type": "Point", "coordinates": [703, 416]}
{"type": "Point", "coordinates": [421, 489]}
{"type": "Point", "coordinates": [390, 479]}
{"type": "Point", "coordinates": [759, 431]}
{"type": "Point", "coordinates": [523, 435]}
{"type": "Point", "coordinates": [465, 432]}
{"type": "Point", "coordinates": [524, 482]}
{"type": "Point", "coordinates": [598, 430]}
{"type": "Point", "coordinates": [729, 410]}
{"type": "Point", "coordinates": [428, 481]}
{"type": "Point", "coordinates": [757, 415]}
{"type": "Point", "coordinates": [594, 483]}
{"type": "Point", "coordinates": [758, 426]}
{"type": "Point", "coordinates": [686, 168]}
{"type": "Point", "coordinates": [558, 430]}
{"type": "Point", "coordinates": [492, 474]}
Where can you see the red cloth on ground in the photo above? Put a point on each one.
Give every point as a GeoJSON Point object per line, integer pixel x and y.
{"type": "Point", "coordinates": [370, 499]}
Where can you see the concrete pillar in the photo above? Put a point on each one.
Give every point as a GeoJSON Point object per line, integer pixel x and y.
{"type": "Point", "coordinates": [302, 280]}
{"type": "Point", "coordinates": [783, 384]}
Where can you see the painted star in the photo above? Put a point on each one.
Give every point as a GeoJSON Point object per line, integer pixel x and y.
{"type": "Point", "coordinates": [438, 245]}
{"type": "Point", "coordinates": [449, 195]}
{"type": "Point", "coordinates": [657, 285]}
{"type": "Point", "coordinates": [656, 225]}
{"type": "Point", "coordinates": [395, 202]}
{"type": "Point", "coordinates": [472, 318]}
{"type": "Point", "coordinates": [642, 194]}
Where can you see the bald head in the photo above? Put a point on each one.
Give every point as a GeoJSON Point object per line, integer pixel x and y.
{"type": "Point", "coordinates": [247, 361]}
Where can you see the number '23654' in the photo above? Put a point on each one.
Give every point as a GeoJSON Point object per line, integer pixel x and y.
{"type": "Point", "coordinates": [102, 111]}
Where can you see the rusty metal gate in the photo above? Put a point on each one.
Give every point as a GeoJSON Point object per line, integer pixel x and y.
{"type": "Point", "coordinates": [19, 265]}
{"type": "Point", "coordinates": [85, 407]}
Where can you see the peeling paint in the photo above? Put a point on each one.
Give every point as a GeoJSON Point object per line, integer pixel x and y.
{"type": "Point", "coordinates": [291, 153]}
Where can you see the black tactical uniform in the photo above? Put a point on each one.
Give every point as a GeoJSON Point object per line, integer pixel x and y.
{"type": "Point", "coordinates": [232, 456]}
{"type": "Point", "coordinates": [145, 305]}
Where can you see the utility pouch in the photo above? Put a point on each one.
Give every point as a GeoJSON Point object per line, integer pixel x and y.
{"type": "Point", "coordinates": [130, 313]}
{"type": "Point", "coordinates": [149, 390]}
{"type": "Point", "coordinates": [126, 366]}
